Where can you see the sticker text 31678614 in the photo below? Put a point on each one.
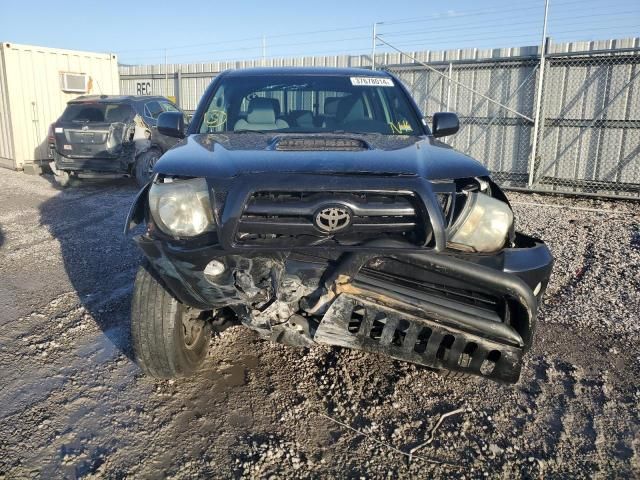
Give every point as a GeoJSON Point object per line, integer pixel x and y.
{"type": "Point", "coordinates": [371, 82]}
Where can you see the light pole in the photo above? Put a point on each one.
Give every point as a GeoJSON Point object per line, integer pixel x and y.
{"type": "Point", "coordinates": [374, 38]}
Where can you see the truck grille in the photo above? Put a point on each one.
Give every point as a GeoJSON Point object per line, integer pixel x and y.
{"type": "Point", "coordinates": [292, 218]}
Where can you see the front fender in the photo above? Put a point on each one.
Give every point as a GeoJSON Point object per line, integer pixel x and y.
{"type": "Point", "coordinates": [137, 210]}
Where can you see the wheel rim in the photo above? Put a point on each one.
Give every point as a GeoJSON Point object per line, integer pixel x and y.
{"type": "Point", "coordinates": [151, 162]}
{"type": "Point", "coordinates": [192, 329]}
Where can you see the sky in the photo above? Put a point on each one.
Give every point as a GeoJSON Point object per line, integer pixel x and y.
{"type": "Point", "coordinates": [142, 32]}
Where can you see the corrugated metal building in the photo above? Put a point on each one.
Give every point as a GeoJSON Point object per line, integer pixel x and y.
{"type": "Point", "coordinates": [35, 85]}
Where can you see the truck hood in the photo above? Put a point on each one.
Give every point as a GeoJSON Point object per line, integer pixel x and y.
{"type": "Point", "coordinates": [231, 155]}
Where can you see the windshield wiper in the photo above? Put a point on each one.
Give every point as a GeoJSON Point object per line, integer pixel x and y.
{"type": "Point", "coordinates": [248, 130]}
{"type": "Point", "coordinates": [345, 132]}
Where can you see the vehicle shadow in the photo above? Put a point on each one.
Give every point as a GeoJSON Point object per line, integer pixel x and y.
{"type": "Point", "coordinates": [82, 183]}
{"type": "Point", "coordinates": [99, 261]}
{"type": "Point", "coordinates": [1, 236]}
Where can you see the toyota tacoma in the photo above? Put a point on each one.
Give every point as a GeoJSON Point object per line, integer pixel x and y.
{"type": "Point", "coordinates": [317, 206]}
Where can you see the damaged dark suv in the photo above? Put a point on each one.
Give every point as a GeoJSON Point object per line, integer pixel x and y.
{"type": "Point", "coordinates": [316, 206]}
{"type": "Point", "coordinates": [108, 135]}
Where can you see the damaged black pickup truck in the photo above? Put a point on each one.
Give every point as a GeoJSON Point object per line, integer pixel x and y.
{"type": "Point", "coordinates": [316, 206]}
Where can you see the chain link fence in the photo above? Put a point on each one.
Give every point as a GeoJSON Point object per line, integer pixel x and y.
{"type": "Point", "coordinates": [588, 129]}
{"type": "Point", "coordinates": [588, 138]}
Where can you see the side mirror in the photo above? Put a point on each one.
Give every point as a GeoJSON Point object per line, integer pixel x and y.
{"type": "Point", "coordinates": [445, 123]}
{"type": "Point", "coordinates": [171, 124]}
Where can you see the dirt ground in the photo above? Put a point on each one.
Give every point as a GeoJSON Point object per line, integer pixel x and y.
{"type": "Point", "coordinates": [73, 404]}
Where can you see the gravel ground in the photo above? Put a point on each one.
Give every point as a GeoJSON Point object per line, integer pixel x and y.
{"type": "Point", "coordinates": [72, 404]}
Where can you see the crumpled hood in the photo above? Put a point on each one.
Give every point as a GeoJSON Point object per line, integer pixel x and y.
{"type": "Point", "coordinates": [231, 155]}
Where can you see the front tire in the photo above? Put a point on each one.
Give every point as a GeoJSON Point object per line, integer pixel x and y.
{"type": "Point", "coordinates": [166, 341]}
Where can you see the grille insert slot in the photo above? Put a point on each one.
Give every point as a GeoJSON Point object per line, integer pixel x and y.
{"type": "Point", "coordinates": [320, 143]}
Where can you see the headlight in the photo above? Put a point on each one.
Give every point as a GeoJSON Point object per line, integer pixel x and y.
{"type": "Point", "coordinates": [181, 208]}
{"type": "Point", "coordinates": [482, 226]}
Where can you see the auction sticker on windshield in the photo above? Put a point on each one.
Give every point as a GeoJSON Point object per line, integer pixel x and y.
{"type": "Point", "coordinates": [371, 82]}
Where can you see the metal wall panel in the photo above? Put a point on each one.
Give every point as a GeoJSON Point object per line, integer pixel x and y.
{"type": "Point", "coordinates": [6, 138]}
{"type": "Point", "coordinates": [35, 99]}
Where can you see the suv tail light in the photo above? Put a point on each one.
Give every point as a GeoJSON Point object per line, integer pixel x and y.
{"type": "Point", "coordinates": [50, 136]}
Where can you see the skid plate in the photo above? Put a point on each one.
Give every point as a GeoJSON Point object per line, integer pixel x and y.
{"type": "Point", "coordinates": [354, 322]}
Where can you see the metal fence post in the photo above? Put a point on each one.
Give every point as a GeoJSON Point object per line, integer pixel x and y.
{"type": "Point", "coordinates": [178, 87]}
{"type": "Point", "coordinates": [536, 123]}
{"type": "Point", "coordinates": [449, 86]}
{"type": "Point", "coordinates": [538, 120]}
{"type": "Point", "coordinates": [166, 75]}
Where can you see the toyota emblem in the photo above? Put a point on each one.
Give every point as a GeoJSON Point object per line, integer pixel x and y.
{"type": "Point", "coordinates": [332, 219]}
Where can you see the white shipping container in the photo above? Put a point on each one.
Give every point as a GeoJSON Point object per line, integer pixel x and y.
{"type": "Point", "coordinates": [35, 85]}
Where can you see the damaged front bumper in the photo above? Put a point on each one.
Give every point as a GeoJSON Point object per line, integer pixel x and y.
{"type": "Point", "coordinates": [470, 313]}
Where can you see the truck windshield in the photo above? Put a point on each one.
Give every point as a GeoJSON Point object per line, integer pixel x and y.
{"type": "Point", "coordinates": [310, 104]}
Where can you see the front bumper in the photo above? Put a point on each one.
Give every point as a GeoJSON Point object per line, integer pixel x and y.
{"type": "Point", "coordinates": [471, 317]}
{"type": "Point", "coordinates": [463, 336]}
{"type": "Point", "coordinates": [529, 263]}
{"type": "Point", "coordinates": [425, 304]}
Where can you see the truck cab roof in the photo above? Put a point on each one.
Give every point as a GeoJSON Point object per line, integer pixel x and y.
{"type": "Point", "coordinates": [306, 71]}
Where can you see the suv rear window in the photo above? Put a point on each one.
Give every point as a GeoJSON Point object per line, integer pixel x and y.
{"type": "Point", "coordinates": [97, 113]}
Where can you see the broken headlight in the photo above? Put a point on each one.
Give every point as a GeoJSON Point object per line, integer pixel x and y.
{"type": "Point", "coordinates": [181, 208]}
{"type": "Point", "coordinates": [482, 226]}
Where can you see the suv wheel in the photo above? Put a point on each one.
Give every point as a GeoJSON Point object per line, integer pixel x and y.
{"type": "Point", "coordinates": [144, 166]}
{"type": "Point", "coordinates": [167, 339]}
